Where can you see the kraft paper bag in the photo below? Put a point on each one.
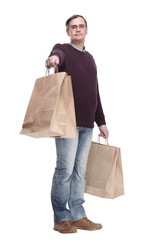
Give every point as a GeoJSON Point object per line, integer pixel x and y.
{"type": "Point", "coordinates": [104, 175]}
{"type": "Point", "coordinates": [51, 110]}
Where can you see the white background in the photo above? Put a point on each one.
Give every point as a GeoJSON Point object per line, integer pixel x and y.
{"type": "Point", "coordinates": [124, 38]}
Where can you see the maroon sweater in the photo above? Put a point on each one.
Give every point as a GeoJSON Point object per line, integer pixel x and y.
{"type": "Point", "coordinates": [82, 68]}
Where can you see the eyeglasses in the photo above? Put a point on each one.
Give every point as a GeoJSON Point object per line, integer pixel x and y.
{"type": "Point", "coordinates": [75, 27]}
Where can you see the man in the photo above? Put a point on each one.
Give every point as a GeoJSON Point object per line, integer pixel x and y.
{"type": "Point", "coordinates": [72, 153]}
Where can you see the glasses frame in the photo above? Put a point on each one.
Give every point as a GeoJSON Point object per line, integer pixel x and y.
{"type": "Point", "coordinates": [75, 27]}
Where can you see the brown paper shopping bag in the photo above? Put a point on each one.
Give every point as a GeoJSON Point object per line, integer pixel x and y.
{"type": "Point", "coordinates": [51, 111]}
{"type": "Point", "coordinates": [104, 176]}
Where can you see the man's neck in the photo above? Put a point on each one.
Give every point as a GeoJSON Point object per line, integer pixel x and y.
{"type": "Point", "coordinates": [79, 44]}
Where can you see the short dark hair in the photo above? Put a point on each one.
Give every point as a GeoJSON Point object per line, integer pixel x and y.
{"type": "Point", "coordinates": [73, 17]}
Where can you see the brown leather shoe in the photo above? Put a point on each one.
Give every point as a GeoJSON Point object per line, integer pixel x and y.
{"type": "Point", "coordinates": [65, 227]}
{"type": "Point", "coordinates": [86, 224]}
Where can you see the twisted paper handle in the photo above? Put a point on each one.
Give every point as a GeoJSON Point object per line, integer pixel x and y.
{"type": "Point", "coordinates": [48, 70]}
{"type": "Point", "coordinates": [106, 140]}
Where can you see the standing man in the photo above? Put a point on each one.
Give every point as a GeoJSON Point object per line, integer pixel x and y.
{"type": "Point", "coordinates": [72, 153]}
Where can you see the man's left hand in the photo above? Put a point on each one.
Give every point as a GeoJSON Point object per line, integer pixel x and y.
{"type": "Point", "coordinates": [104, 131]}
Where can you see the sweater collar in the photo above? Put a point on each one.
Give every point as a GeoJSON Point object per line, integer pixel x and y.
{"type": "Point", "coordinates": [76, 47]}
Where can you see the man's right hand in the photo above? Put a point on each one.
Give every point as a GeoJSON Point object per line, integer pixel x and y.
{"type": "Point", "coordinates": [52, 61]}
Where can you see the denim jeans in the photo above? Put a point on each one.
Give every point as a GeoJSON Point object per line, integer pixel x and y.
{"type": "Point", "coordinates": [69, 180]}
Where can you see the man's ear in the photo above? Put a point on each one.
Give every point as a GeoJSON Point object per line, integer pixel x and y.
{"type": "Point", "coordinates": [67, 31]}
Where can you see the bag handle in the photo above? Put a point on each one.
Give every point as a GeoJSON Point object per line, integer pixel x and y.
{"type": "Point", "coordinates": [106, 140]}
{"type": "Point", "coordinates": [48, 70]}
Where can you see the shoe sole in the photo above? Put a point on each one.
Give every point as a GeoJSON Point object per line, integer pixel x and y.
{"type": "Point", "coordinates": [89, 229]}
{"type": "Point", "coordinates": [64, 232]}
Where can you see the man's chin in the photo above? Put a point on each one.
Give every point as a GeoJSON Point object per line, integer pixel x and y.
{"type": "Point", "coordinates": [78, 38]}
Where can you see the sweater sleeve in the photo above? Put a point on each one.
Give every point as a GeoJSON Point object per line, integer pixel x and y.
{"type": "Point", "coordinates": [99, 115]}
{"type": "Point", "coordinates": [58, 51]}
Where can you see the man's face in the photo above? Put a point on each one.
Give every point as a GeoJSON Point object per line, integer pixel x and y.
{"type": "Point", "coordinates": [77, 29]}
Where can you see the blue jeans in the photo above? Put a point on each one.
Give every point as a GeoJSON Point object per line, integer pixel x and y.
{"type": "Point", "coordinates": [69, 180]}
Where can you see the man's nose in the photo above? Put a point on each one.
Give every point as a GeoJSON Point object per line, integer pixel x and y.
{"type": "Point", "coordinates": [78, 28]}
